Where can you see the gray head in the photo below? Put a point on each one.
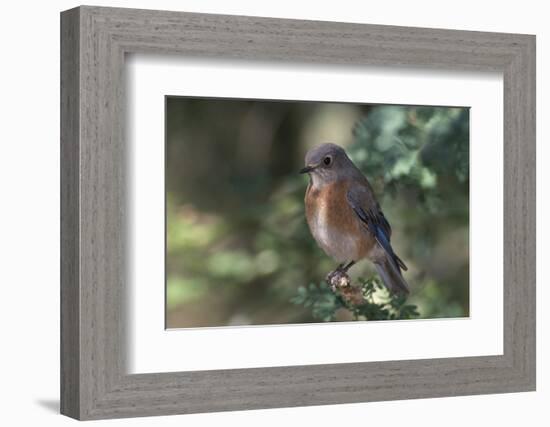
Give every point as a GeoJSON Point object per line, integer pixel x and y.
{"type": "Point", "coordinates": [327, 163]}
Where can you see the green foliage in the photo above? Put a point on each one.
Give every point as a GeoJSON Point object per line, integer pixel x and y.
{"type": "Point", "coordinates": [377, 303]}
{"type": "Point", "coordinates": [423, 150]}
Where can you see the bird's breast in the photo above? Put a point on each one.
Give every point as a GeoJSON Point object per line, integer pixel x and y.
{"type": "Point", "coordinates": [333, 223]}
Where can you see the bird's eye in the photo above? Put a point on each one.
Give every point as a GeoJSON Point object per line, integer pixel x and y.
{"type": "Point", "coordinates": [327, 160]}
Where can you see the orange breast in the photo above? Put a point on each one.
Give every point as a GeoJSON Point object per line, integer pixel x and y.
{"type": "Point", "coordinates": [334, 224]}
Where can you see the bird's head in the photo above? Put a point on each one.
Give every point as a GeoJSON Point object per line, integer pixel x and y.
{"type": "Point", "coordinates": [327, 163]}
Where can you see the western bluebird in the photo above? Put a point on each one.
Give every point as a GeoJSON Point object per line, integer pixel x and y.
{"type": "Point", "coordinates": [344, 217]}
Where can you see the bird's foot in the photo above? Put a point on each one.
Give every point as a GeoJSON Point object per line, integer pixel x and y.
{"type": "Point", "coordinates": [338, 279]}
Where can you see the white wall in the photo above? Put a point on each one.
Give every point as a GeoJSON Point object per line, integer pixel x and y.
{"type": "Point", "coordinates": [29, 226]}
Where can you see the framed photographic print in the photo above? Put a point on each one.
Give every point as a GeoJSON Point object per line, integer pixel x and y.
{"type": "Point", "coordinates": [262, 213]}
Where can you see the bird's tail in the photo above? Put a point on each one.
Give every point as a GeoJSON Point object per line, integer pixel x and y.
{"type": "Point", "coordinates": [390, 272]}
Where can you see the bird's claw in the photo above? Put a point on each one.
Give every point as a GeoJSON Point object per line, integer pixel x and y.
{"type": "Point", "coordinates": [338, 279]}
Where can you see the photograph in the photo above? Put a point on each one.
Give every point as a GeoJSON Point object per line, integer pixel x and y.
{"type": "Point", "coordinates": [290, 212]}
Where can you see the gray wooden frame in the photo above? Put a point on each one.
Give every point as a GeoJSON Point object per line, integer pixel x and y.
{"type": "Point", "coordinates": [94, 381]}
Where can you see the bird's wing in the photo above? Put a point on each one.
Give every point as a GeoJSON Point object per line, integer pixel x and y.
{"type": "Point", "coordinates": [368, 211]}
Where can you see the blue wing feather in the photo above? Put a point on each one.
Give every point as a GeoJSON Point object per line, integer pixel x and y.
{"type": "Point", "coordinates": [375, 222]}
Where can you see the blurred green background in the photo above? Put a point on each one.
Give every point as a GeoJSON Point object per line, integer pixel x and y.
{"type": "Point", "coordinates": [238, 246]}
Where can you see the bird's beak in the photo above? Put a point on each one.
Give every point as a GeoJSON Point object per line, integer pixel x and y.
{"type": "Point", "coordinates": [307, 169]}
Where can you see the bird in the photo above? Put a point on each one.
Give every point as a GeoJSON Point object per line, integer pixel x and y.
{"type": "Point", "coordinates": [345, 218]}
